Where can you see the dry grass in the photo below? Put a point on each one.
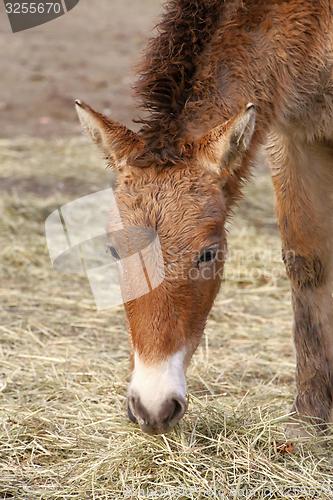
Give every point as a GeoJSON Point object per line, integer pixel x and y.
{"type": "Point", "coordinates": [63, 367]}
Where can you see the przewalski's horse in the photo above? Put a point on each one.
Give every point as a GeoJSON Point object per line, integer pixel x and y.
{"type": "Point", "coordinates": [182, 173]}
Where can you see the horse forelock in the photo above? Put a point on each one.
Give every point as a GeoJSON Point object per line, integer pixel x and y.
{"type": "Point", "coordinates": [167, 75]}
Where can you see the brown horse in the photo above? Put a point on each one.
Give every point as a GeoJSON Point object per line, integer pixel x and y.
{"type": "Point", "coordinates": [183, 171]}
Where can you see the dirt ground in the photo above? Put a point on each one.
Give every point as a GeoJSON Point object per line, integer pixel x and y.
{"type": "Point", "coordinates": [89, 53]}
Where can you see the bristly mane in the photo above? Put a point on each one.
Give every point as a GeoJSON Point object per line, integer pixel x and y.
{"type": "Point", "coordinates": [167, 75]}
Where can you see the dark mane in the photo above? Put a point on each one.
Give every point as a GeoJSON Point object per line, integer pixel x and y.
{"type": "Point", "coordinates": [167, 75]}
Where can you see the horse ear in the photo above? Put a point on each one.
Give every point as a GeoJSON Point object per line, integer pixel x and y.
{"type": "Point", "coordinates": [117, 142]}
{"type": "Point", "coordinates": [226, 144]}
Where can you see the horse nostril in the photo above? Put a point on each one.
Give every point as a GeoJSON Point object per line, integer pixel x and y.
{"type": "Point", "coordinates": [130, 413]}
{"type": "Point", "coordinates": [179, 410]}
{"type": "Point", "coordinates": [136, 411]}
{"type": "Point", "coordinates": [172, 411]}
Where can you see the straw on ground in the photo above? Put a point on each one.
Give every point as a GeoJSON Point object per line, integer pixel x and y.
{"type": "Point", "coordinates": [64, 367]}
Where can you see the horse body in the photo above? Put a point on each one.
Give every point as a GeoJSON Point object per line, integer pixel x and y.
{"type": "Point", "coordinates": [183, 172]}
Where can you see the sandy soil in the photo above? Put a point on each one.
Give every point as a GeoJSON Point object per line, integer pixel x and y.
{"type": "Point", "coordinates": [89, 53]}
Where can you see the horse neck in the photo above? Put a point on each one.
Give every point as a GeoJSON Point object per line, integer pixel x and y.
{"type": "Point", "coordinates": [269, 53]}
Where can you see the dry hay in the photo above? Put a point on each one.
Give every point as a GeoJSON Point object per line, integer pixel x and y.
{"type": "Point", "coordinates": [63, 367]}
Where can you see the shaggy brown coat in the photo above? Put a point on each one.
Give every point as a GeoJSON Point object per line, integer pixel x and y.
{"type": "Point", "coordinates": [199, 136]}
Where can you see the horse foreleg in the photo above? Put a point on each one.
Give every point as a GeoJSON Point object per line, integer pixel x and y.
{"type": "Point", "coordinates": [303, 181]}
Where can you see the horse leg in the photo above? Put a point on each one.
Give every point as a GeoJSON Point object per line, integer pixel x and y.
{"type": "Point", "coordinates": [303, 182]}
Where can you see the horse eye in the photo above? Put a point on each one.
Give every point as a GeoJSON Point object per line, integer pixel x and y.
{"type": "Point", "coordinates": [113, 252]}
{"type": "Point", "coordinates": [207, 255]}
